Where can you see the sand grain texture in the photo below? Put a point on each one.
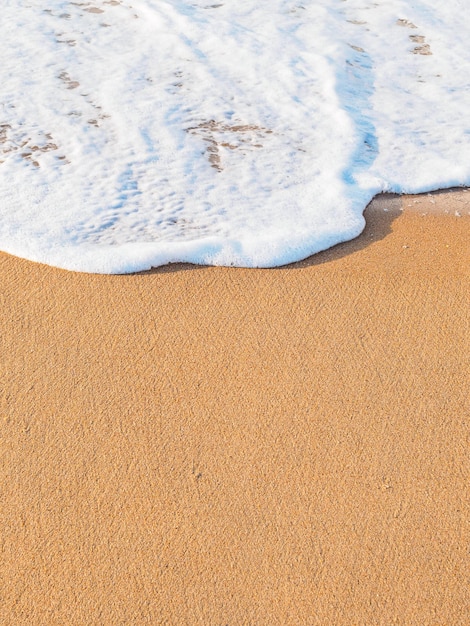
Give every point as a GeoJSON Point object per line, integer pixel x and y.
{"type": "Point", "coordinates": [222, 446]}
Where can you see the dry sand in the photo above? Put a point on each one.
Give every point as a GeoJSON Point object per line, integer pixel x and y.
{"type": "Point", "coordinates": [243, 447]}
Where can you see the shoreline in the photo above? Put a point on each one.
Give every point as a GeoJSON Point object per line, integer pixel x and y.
{"type": "Point", "coordinates": [218, 445]}
{"type": "Point", "coordinates": [436, 202]}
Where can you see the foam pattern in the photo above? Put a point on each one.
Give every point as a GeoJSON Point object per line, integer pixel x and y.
{"type": "Point", "coordinates": [134, 134]}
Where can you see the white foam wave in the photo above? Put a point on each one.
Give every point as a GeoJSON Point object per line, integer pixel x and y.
{"type": "Point", "coordinates": [235, 133]}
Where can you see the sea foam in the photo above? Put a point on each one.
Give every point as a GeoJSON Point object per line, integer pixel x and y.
{"type": "Point", "coordinates": [239, 133]}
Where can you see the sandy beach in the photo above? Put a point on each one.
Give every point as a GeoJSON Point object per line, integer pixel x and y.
{"type": "Point", "coordinates": [220, 446]}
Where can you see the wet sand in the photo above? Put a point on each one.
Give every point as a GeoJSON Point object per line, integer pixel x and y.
{"type": "Point", "coordinates": [223, 446]}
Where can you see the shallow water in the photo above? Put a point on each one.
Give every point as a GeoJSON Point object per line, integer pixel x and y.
{"type": "Point", "coordinates": [133, 135]}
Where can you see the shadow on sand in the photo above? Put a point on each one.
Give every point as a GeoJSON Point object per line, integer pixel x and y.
{"type": "Point", "coordinates": [379, 214]}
